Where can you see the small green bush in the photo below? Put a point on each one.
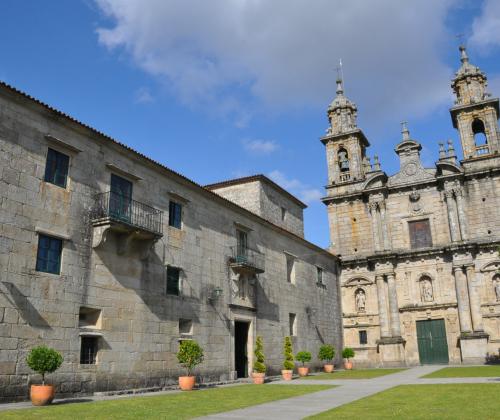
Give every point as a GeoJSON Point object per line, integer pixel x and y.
{"type": "Point", "coordinates": [43, 359]}
{"type": "Point", "coordinates": [303, 356]}
{"type": "Point", "coordinates": [326, 352]}
{"type": "Point", "coordinates": [190, 355]}
{"type": "Point", "coordinates": [348, 353]}
{"type": "Point", "coordinates": [288, 353]}
{"type": "Point", "coordinates": [258, 365]}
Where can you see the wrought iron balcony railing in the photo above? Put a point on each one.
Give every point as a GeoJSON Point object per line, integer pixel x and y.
{"type": "Point", "coordinates": [246, 258]}
{"type": "Point", "coordinates": [344, 176]}
{"type": "Point", "coordinates": [123, 209]}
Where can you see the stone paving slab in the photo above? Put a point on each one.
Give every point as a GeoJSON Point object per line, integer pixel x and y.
{"type": "Point", "coordinates": [307, 405]}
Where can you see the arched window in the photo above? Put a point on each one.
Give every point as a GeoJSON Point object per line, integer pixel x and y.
{"type": "Point", "coordinates": [360, 300]}
{"type": "Point", "coordinates": [343, 158]}
{"type": "Point", "coordinates": [479, 133]}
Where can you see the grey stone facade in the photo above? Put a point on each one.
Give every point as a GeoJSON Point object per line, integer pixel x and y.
{"type": "Point", "coordinates": [112, 282]}
{"type": "Point", "coordinates": [419, 248]}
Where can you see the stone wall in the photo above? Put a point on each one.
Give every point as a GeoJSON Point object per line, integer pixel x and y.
{"type": "Point", "coordinates": [139, 323]}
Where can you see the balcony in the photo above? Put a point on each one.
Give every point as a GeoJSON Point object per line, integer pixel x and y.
{"type": "Point", "coordinates": [482, 150]}
{"type": "Point", "coordinates": [246, 260]}
{"type": "Point", "coordinates": [344, 177]}
{"type": "Point", "coordinates": [127, 217]}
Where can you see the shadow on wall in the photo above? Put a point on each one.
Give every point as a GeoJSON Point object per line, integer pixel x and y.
{"type": "Point", "coordinates": [26, 310]}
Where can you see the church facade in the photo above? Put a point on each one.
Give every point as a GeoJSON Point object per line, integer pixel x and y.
{"type": "Point", "coordinates": [420, 278]}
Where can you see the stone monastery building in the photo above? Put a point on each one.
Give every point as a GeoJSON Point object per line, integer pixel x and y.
{"type": "Point", "coordinates": [112, 259]}
{"type": "Point", "coordinates": [420, 273]}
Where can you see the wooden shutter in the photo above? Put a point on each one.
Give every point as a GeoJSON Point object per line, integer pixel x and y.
{"type": "Point", "coordinates": [420, 234]}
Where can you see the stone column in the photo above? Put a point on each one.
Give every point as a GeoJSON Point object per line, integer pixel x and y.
{"type": "Point", "coordinates": [382, 307]}
{"type": "Point", "coordinates": [462, 218]}
{"type": "Point", "coordinates": [450, 206]}
{"type": "Point", "coordinates": [373, 212]}
{"type": "Point", "coordinates": [462, 299]}
{"type": "Point", "coordinates": [475, 300]}
{"type": "Point", "coordinates": [383, 221]}
{"type": "Point", "coordinates": [393, 306]}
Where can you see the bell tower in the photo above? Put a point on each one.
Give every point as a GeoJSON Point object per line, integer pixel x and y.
{"type": "Point", "coordinates": [345, 142]}
{"type": "Point", "coordinates": [475, 113]}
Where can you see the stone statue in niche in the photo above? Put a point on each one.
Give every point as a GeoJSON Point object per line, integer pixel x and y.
{"type": "Point", "coordinates": [360, 299]}
{"type": "Point", "coordinates": [496, 280]}
{"type": "Point", "coordinates": [427, 293]}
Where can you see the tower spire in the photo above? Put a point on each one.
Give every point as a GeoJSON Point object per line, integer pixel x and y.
{"type": "Point", "coordinates": [404, 130]}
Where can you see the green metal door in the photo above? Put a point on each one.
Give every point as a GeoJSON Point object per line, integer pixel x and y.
{"type": "Point", "coordinates": [432, 344]}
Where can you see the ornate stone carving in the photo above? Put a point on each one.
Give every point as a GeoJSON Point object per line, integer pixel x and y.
{"type": "Point", "coordinates": [415, 203]}
{"type": "Point", "coordinates": [496, 284]}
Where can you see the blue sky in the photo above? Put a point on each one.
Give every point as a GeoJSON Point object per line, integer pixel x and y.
{"type": "Point", "coordinates": [221, 89]}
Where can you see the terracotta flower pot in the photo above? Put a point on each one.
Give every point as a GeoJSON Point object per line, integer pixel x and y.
{"type": "Point", "coordinates": [348, 365]}
{"type": "Point", "coordinates": [186, 383]}
{"type": "Point", "coordinates": [328, 368]}
{"type": "Point", "coordinates": [42, 394]}
{"type": "Point", "coordinates": [258, 378]}
{"type": "Point", "coordinates": [303, 371]}
{"type": "Point", "coordinates": [287, 374]}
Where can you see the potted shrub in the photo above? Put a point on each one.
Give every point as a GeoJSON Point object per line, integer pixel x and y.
{"type": "Point", "coordinates": [288, 364]}
{"type": "Point", "coordinates": [304, 357]}
{"type": "Point", "coordinates": [348, 354]}
{"type": "Point", "coordinates": [259, 368]}
{"type": "Point", "coordinates": [42, 360]}
{"type": "Point", "coordinates": [190, 355]}
{"type": "Point", "coordinates": [326, 354]}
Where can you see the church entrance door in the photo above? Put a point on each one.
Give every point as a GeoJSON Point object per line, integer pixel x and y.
{"type": "Point", "coordinates": [432, 344]}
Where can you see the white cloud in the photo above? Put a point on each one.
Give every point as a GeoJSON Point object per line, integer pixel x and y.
{"type": "Point", "coordinates": [296, 187]}
{"type": "Point", "coordinates": [239, 57]}
{"type": "Point", "coordinates": [486, 27]}
{"type": "Point", "coordinates": [143, 96]}
{"type": "Point", "coordinates": [261, 147]}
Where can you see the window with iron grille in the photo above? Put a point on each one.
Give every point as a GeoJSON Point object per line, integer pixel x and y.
{"type": "Point", "coordinates": [420, 234]}
{"type": "Point", "coordinates": [88, 350]}
{"type": "Point", "coordinates": [56, 168]}
{"type": "Point", "coordinates": [173, 284]}
{"type": "Point", "coordinates": [363, 337]}
{"type": "Point", "coordinates": [175, 214]}
{"type": "Point", "coordinates": [48, 257]}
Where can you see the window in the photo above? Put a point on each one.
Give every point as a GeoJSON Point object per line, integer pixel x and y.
{"type": "Point", "coordinates": [120, 200]}
{"type": "Point", "coordinates": [242, 241]}
{"type": "Point", "coordinates": [48, 258]}
{"type": "Point", "coordinates": [319, 276]}
{"type": "Point", "coordinates": [173, 285]}
{"type": "Point", "coordinates": [363, 337]}
{"type": "Point", "coordinates": [479, 133]}
{"type": "Point", "coordinates": [56, 168]}
{"type": "Point", "coordinates": [185, 326]}
{"type": "Point", "coordinates": [292, 323]}
{"type": "Point", "coordinates": [420, 234]}
{"type": "Point", "coordinates": [175, 214]}
{"type": "Point", "coordinates": [290, 268]}
{"type": "Point", "coordinates": [343, 159]}
{"type": "Point", "coordinates": [283, 214]}
{"type": "Point", "coordinates": [88, 350]}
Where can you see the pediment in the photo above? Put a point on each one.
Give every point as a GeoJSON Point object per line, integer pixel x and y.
{"type": "Point", "coordinates": [412, 172]}
{"type": "Point", "coordinates": [377, 180]}
{"type": "Point", "coordinates": [448, 168]}
{"type": "Point", "coordinates": [357, 281]}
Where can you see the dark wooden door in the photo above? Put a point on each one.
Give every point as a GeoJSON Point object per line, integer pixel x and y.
{"type": "Point", "coordinates": [240, 348]}
{"type": "Point", "coordinates": [432, 344]}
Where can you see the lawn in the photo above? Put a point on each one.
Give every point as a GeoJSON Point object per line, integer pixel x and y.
{"type": "Point", "coordinates": [184, 405]}
{"type": "Point", "coordinates": [354, 374]}
{"type": "Point", "coordinates": [466, 372]}
{"type": "Point", "coordinates": [457, 401]}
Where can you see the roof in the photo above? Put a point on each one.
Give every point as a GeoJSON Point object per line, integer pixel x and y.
{"type": "Point", "coordinates": [20, 95]}
{"type": "Point", "coordinates": [255, 178]}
